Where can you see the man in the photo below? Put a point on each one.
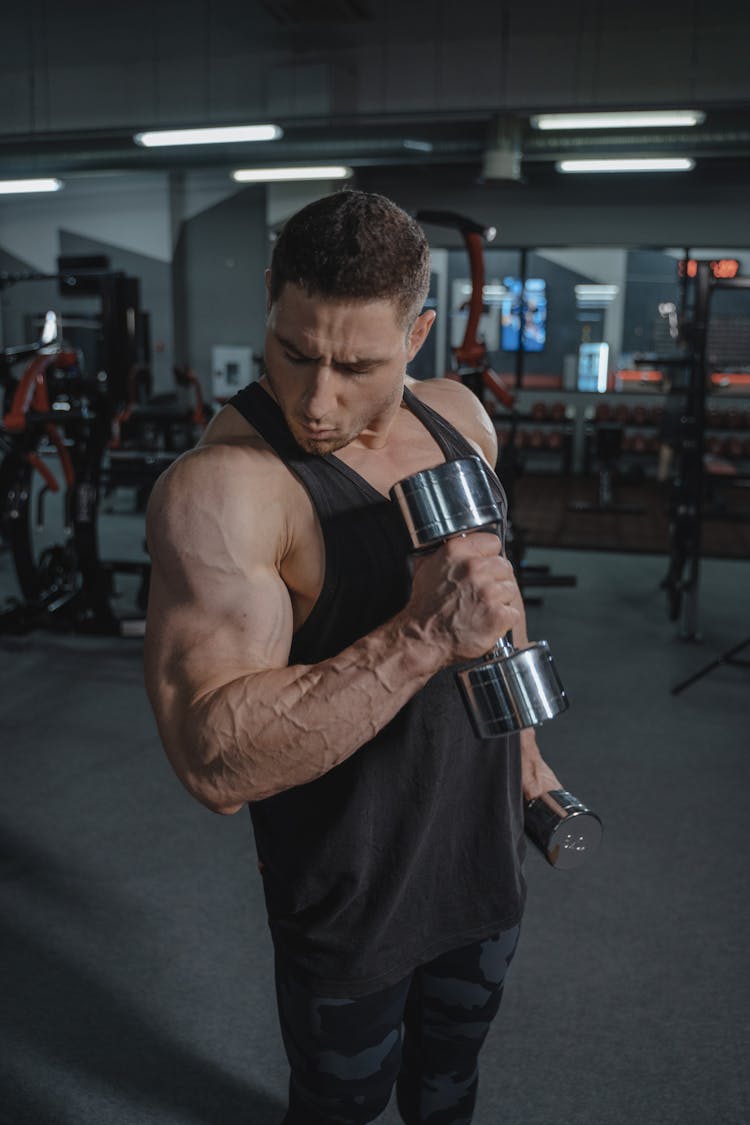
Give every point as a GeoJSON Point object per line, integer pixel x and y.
{"type": "Point", "coordinates": [295, 664]}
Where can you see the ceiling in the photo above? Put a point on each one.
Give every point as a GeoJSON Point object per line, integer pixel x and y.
{"type": "Point", "coordinates": [398, 140]}
{"type": "Point", "coordinates": [367, 83]}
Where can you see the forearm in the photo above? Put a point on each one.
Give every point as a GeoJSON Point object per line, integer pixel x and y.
{"type": "Point", "coordinates": [520, 634]}
{"type": "Point", "coordinates": [271, 730]}
{"type": "Point", "coordinates": [537, 777]}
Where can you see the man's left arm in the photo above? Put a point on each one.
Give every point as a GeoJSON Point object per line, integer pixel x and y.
{"type": "Point", "coordinates": [537, 777]}
{"type": "Point", "coordinates": [462, 407]}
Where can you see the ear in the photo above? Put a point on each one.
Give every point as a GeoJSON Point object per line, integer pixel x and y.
{"type": "Point", "coordinates": [420, 331]}
{"type": "Point", "coordinates": [267, 277]}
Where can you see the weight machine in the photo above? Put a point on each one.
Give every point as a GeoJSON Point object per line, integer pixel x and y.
{"type": "Point", "coordinates": [92, 424]}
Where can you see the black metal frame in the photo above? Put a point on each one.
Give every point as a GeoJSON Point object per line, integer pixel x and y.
{"type": "Point", "coordinates": [728, 657]}
{"type": "Point", "coordinates": [683, 577]}
{"type": "Point", "coordinates": [70, 587]}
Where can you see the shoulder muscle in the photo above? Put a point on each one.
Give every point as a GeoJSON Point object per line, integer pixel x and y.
{"type": "Point", "coordinates": [213, 498]}
{"type": "Point", "coordinates": [462, 409]}
{"type": "Point", "coordinates": [218, 608]}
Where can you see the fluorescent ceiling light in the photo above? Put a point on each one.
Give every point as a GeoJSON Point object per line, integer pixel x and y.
{"type": "Point", "coordinates": [647, 164]}
{"type": "Point", "coordinates": [646, 119]}
{"type": "Point", "coordinates": [224, 135]}
{"type": "Point", "coordinates": [491, 294]}
{"type": "Point", "coordinates": [23, 187]}
{"type": "Point", "coordinates": [270, 175]}
{"type": "Point", "coordinates": [596, 294]}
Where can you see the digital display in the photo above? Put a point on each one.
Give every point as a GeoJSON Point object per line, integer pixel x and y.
{"type": "Point", "coordinates": [524, 305]}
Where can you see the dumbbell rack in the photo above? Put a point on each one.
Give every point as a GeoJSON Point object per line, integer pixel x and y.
{"type": "Point", "coordinates": [552, 434]}
{"type": "Point", "coordinates": [640, 426]}
{"type": "Point", "coordinates": [728, 438]}
{"type": "Point", "coordinates": [545, 431]}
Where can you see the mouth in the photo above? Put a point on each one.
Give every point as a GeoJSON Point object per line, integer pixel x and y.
{"type": "Point", "coordinates": [317, 433]}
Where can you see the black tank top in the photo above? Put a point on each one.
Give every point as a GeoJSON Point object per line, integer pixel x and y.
{"type": "Point", "coordinates": [413, 845]}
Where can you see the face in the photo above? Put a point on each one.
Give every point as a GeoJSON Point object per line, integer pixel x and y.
{"type": "Point", "coordinates": [336, 368]}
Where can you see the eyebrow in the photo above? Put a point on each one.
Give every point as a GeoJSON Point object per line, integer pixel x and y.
{"type": "Point", "coordinates": [363, 362]}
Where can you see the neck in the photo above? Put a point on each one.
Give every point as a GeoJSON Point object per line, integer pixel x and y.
{"type": "Point", "coordinates": [376, 435]}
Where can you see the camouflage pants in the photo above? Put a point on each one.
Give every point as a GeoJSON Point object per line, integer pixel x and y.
{"type": "Point", "coordinates": [424, 1034]}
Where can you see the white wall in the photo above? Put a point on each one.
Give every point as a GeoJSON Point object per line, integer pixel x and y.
{"type": "Point", "coordinates": [131, 212]}
{"type": "Point", "coordinates": [134, 218]}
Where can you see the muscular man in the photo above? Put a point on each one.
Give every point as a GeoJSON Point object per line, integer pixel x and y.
{"type": "Point", "coordinates": [296, 665]}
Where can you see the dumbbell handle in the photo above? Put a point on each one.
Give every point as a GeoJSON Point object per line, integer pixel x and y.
{"type": "Point", "coordinates": [502, 649]}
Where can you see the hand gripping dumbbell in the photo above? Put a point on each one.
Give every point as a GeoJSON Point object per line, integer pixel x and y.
{"type": "Point", "coordinates": [509, 689]}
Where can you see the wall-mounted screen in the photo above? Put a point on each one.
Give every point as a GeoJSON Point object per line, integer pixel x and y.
{"type": "Point", "coordinates": [524, 308]}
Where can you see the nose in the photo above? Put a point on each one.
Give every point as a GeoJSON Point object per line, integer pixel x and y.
{"type": "Point", "coordinates": [320, 396]}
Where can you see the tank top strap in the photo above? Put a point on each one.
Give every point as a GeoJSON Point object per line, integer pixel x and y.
{"type": "Point", "coordinates": [259, 409]}
{"type": "Point", "coordinates": [265, 415]}
{"type": "Point", "coordinates": [318, 474]}
{"type": "Point", "coordinates": [451, 441]}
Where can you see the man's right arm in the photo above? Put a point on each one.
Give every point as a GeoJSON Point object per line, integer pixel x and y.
{"type": "Point", "coordinates": [237, 722]}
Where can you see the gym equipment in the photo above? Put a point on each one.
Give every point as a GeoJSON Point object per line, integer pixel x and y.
{"type": "Point", "coordinates": [49, 522]}
{"type": "Point", "coordinates": [728, 657]}
{"type": "Point", "coordinates": [54, 408]}
{"type": "Point", "coordinates": [689, 327]}
{"type": "Point", "coordinates": [564, 830]}
{"type": "Point", "coordinates": [118, 336]}
{"type": "Point", "coordinates": [472, 367]}
{"type": "Point", "coordinates": [509, 689]}
{"type": "Point", "coordinates": [471, 361]}
{"type": "Point", "coordinates": [152, 430]}
{"type": "Point", "coordinates": [609, 443]}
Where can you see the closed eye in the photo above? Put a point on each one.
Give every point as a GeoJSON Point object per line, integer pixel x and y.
{"type": "Point", "coordinates": [301, 359]}
{"type": "Point", "coordinates": [355, 370]}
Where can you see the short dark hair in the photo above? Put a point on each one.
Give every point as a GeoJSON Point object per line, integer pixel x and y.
{"type": "Point", "coordinates": [354, 245]}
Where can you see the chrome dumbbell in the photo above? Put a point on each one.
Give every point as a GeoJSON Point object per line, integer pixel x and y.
{"type": "Point", "coordinates": [562, 827]}
{"type": "Point", "coordinates": [509, 689]}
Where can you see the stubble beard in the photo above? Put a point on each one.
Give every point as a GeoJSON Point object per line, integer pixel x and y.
{"type": "Point", "coordinates": [319, 447]}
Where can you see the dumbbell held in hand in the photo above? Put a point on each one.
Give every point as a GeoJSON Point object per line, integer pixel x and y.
{"type": "Point", "coordinates": [564, 830]}
{"type": "Point", "coordinates": [509, 689]}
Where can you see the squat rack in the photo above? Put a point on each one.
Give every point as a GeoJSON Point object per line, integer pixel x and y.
{"type": "Point", "coordinates": [687, 515]}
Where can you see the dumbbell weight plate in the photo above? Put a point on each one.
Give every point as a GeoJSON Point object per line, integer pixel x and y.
{"type": "Point", "coordinates": [513, 692]}
{"type": "Point", "coordinates": [448, 500]}
{"type": "Point", "coordinates": [563, 828]}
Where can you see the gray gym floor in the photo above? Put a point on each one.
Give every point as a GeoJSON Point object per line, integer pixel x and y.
{"type": "Point", "coordinates": [136, 970]}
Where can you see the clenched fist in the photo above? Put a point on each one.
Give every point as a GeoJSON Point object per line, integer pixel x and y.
{"type": "Point", "coordinates": [463, 596]}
